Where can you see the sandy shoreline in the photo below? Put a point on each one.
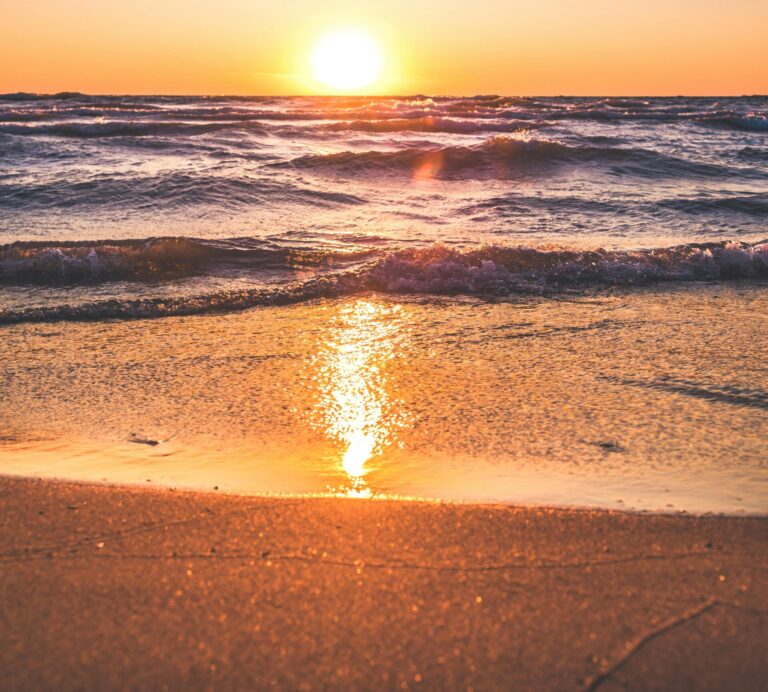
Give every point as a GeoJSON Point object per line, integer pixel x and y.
{"type": "Point", "coordinates": [651, 400]}
{"type": "Point", "coordinates": [114, 587]}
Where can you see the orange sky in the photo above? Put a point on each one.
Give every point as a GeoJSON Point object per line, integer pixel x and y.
{"type": "Point", "coordinates": [458, 47]}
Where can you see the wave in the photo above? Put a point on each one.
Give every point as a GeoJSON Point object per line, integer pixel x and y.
{"type": "Point", "coordinates": [752, 123]}
{"type": "Point", "coordinates": [755, 204]}
{"type": "Point", "coordinates": [503, 270]}
{"type": "Point", "coordinates": [116, 110]}
{"type": "Point", "coordinates": [751, 205]}
{"type": "Point", "coordinates": [139, 116]}
{"type": "Point", "coordinates": [487, 271]}
{"type": "Point", "coordinates": [430, 124]}
{"type": "Point", "coordinates": [627, 103]}
{"type": "Point", "coordinates": [163, 191]}
{"type": "Point", "coordinates": [125, 129]}
{"type": "Point", "coordinates": [31, 115]}
{"type": "Point", "coordinates": [518, 204]}
{"type": "Point", "coordinates": [753, 154]}
{"type": "Point", "coordinates": [503, 157]}
{"type": "Point", "coordinates": [153, 259]}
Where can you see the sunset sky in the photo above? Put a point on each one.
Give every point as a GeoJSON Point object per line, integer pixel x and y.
{"type": "Point", "coordinates": [521, 47]}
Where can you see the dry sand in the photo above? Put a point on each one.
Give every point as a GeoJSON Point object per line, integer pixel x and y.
{"type": "Point", "coordinates": [110, 588]}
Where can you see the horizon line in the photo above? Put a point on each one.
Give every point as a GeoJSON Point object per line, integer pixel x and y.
{"type": "Point", "coordinates": [74, 94]}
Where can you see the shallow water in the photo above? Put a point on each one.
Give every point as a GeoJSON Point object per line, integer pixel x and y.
{"type": "Point", "coordinates": [648, 400]}
{"type": "Point", "coordinates": [555, 300]}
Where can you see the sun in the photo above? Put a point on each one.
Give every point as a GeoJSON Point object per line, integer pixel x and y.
{"type": "Point", "coordinates": [347, 59]}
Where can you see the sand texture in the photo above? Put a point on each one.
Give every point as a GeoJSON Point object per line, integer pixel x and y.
{"type": "Point", "coordinates": [130, 588]}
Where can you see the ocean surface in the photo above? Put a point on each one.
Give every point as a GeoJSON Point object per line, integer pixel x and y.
{"type": "Point", "coordinates": [545, 216]}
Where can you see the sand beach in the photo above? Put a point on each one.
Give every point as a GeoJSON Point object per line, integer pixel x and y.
{"type": "Point", "coordinates": [134, 588]}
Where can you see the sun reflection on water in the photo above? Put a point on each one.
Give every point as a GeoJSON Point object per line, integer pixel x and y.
{"type": "Point", "coordinates": [355, 408]}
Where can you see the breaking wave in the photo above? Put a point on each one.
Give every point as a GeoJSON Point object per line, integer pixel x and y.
{"type": "Point", "coordinates": [502, 270]}
{"type": "Point", "coordinates": [152, 259]}
{"type": "Point", "coordinates": [486, 271]}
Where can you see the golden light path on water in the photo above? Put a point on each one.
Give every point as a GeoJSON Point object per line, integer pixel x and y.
{"type": "Point", "coordinates": [355, 407]}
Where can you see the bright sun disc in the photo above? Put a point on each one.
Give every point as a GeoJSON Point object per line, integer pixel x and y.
{"type": "Point", "coordinates": [347, 59]}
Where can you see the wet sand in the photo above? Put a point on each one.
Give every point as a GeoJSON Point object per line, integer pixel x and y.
{"type": "Point", "coordinates": [116, 587]}
{"type": "Point", "coordinates": [652, 399]}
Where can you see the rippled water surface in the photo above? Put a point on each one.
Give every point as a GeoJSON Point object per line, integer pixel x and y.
{"type": "Point", "coordinates": [193, 198]}
{"type": "Point", "coordinates": [390, 228]}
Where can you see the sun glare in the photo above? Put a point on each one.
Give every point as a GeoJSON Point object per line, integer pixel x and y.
{"type": "Point", "coordinates": [347, 59]}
